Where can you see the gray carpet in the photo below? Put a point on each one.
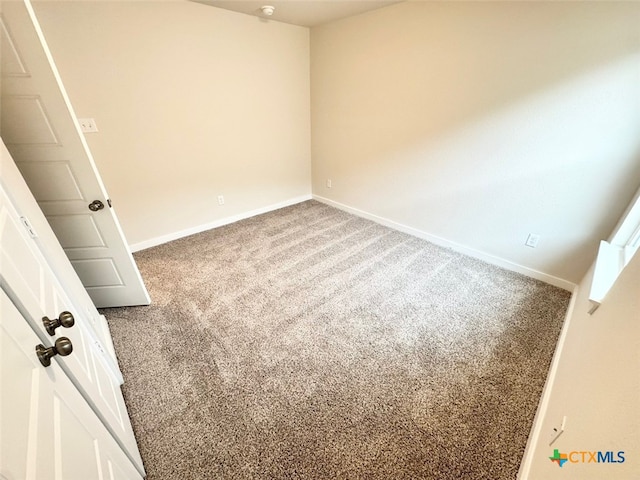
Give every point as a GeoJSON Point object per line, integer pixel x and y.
{"type": "Point", "coordinates": [308, 343]}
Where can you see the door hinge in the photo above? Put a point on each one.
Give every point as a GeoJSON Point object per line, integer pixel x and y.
{"type": "Point", "coordinates": [27, 225]}
{"type": "Point", "coordinates": [109, 202]}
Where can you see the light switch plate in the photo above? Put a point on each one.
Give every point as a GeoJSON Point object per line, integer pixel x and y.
{"type": "Point", "coordinates": [88, 125]}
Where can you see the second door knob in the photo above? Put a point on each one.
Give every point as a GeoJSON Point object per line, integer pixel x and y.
{"type": "Point", "coordinates": [65, 319]}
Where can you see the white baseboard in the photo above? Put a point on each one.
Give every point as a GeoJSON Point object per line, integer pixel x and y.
{"type": "Point", "coordinates": [486, 257]}
{"type": "Point", "coordinates": [152, 242]}
{"type": "Point", "coordinates": [543, 404]}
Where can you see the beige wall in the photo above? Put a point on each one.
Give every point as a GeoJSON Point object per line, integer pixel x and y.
{"type": "Point", "coordinates": [596, 386]}
{"type": "Point", "coordinates": [474, 122]}
{"type": "Point", "coordinates": [480, 122]}
{"type": "Point", "coordinates": [191, 102]}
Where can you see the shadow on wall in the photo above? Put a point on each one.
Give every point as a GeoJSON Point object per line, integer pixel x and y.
{"type": "Point", "coordinates": [480, 123]}
{"type": "Point", "coordinates": [453, 65]}
{"type": "Point", "coordinates": [560, 140]}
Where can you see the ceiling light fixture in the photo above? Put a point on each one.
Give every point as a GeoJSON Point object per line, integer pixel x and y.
{"type": "Point", "coordinates": [268, 10]}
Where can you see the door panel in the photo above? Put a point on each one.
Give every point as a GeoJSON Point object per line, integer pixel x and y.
{"type": "Point", "coordinates": [29, 124]}
{"type": "Point", "coordinates": [47, 430]}
{"type": "Point", "coordinates": [47, 243]}
{"type": "Point", "coordinates": [44, 138]}
{"type": "Point", "coordinates": [95, 271]}
{"type": "Point", "coordinates": [76, 231]}
{"type": "Point", "coordinates": [24, 381]}
{"type": "Point", "coordinates": [36, 291]}
{"type": "Point", "coordinates": [11, 62]}
{"type": "Point", "coordinates": [48, 179]}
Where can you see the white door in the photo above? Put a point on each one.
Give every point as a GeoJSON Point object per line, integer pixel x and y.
{"type": "Point", "coordinates": [47, 430]}
{"type": "Point", "coordinates": [41, 132]}
{"type": "Point", "coordinates": [13, 183]}
{"type": "Point", "coordinates": [34, 289]}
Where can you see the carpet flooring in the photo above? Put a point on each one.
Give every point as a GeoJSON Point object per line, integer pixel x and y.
{"type": "Point", "coordinates": [308, 343]}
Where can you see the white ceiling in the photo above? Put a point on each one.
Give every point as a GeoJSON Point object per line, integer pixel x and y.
{"type": "Point", "coordinates": [306, 13]}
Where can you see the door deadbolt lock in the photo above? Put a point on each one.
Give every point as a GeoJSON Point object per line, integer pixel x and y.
{"type": "Point", "coordinates": [62, 347]}
{"type": "Point", "coordinates": [96, 205]}
{"type": "Point", "coordinates": [65, 319]}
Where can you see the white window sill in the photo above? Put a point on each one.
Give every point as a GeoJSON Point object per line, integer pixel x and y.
{"type": "Point", "coordinates": [610, 262]}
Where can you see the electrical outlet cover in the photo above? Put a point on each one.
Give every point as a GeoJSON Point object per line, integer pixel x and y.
{"type": "Point", "coordinates": [532, 240]}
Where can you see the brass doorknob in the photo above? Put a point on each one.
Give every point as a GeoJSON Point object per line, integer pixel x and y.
{"type": "Point", "coordinates": [65, 319]}
{"type": "Point", "coordinates": [62, 347]}
{"type": "Point", "coordinates": [96, 205]}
